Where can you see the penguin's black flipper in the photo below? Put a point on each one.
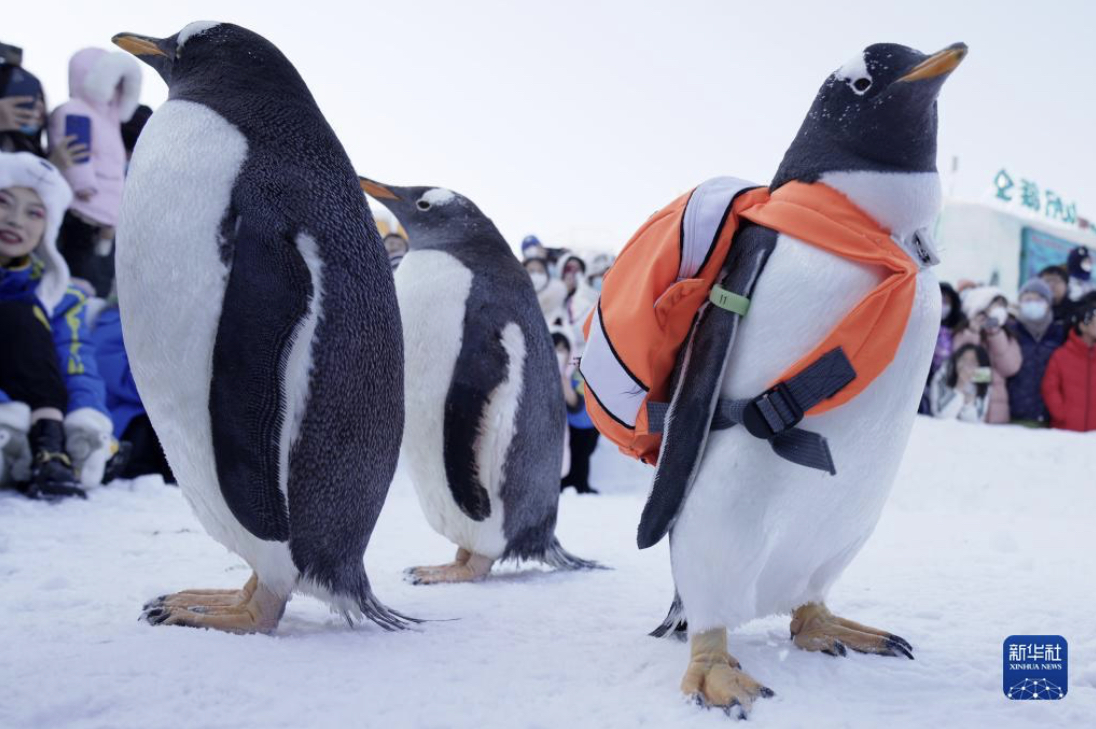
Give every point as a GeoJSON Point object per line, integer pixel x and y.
{"type": "Point", "coordinates": [481, 366]}
{"type": "Point", "coordinates": [696, 395]}
{"type": "Point", "coordinates": [268, 294]}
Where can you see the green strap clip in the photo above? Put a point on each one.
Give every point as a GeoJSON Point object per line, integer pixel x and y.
{"type": "Point", "coordinates": [729, 300]}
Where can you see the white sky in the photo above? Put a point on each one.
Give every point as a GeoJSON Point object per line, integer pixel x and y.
{"type": "Point", "coordinates": [576, 120]}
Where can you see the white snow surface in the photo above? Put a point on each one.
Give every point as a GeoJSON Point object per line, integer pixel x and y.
{"type": "Point", "coordinates": [989, 532]}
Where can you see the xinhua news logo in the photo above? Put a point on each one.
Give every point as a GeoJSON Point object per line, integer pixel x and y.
{"type": "Point", "coordinates": [1036, 667]}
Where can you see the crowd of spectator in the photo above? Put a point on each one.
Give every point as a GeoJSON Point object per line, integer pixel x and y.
{"type": "Point", "coordinates": [1031, 361]}
{"type": "Point", "coordinates": [70, 413]}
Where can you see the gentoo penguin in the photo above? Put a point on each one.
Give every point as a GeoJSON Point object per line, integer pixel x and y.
{"type": "Point", "coordinates": [485, 408]}
{"type": "Point", "coordinates": [261, 321]}
{"type": "Point", "coordinates": [756, 534]}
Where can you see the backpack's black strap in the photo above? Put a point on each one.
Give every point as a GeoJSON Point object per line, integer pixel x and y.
{"type": "Point", "coordinates": [773, 414]}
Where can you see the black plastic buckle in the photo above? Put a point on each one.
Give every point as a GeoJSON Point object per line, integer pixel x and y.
{"type": "Point", "coordinates": [759, 415]}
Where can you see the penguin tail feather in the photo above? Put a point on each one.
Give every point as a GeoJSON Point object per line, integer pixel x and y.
{"type": "Point", "coordinates": [559, 558]}
{"type": "Point", "coordinates": [381, 614]}
{"type": "Point", "coordinates": [355, 601]}
{"type": "Point", "coordinates": [674, 626]}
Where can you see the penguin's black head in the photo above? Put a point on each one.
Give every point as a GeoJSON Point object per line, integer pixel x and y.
{"type": "Point", "coordinates": [207, 57]}
{"type": "Point", "coordinates": [875, 113]}
{"type": "Point", "coordinates": [433, 217]}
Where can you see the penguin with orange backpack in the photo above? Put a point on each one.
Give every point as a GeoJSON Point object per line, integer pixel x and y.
{"type": "Point", "coordinates": [766, 349]}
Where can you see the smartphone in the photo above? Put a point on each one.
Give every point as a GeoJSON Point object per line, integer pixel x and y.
{"type": "Point", "coordinates": [22, 83]}
{"type": "Point", "coordinates": [982, 375]}
{"type": "Point", "coordinates": [80, 127]}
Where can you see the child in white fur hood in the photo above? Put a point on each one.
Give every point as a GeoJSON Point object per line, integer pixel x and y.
{"type": "Point", "coordinates": [53, 417]}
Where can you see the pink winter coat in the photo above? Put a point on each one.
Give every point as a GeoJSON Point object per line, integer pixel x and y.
{"type": "Point", "coordinates": [105, 87]}
{"type": "Point", "coordinates": [1005, 358]}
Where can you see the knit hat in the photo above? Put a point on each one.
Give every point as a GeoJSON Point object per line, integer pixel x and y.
{"type": "Point", "coordinates": [1077, 258]}
{"type": "Point", "coordinates": [977, 300]}
{"type": "Point", "coordinates": [1036, 285]}
{"type": "Point", "coordinates": [530, 241]}
{"type": "Point", "coordinates": [23, 169]}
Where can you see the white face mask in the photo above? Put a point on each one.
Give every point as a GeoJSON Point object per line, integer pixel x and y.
{"type": "Point", "coordinates": [945, 311]}
{"type": "Point", "coordinates": [562, 359]}
{"type": "Point", "coordinates": [539, 279]}
{"type": "Point", "coordinates": [1033, 310]}
{"type": "Point", "coordinates": [999, 313]}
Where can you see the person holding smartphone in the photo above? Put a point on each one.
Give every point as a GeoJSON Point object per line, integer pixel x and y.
{"type": "Point", "coordinates": [960, 389]}
{"type": "Point", "coordinates": [23, 116]}
{"type": "Point", "coordinates": [986, 309]}
{"type": "Point", "coordinates": [105, 92]}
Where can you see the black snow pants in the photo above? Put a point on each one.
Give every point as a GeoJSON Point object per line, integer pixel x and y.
{"type": "Point", "coordinates": [29, 368]}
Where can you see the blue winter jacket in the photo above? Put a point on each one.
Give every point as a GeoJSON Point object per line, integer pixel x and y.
{"type": "Point", "coordinates": [579, 418]}
{"type": "Point", "coordinates": [110, 353]}
{"type": "Point", "coordinates": [1025, 398]}
{"type": "Point", "coordinates": [70, 335]}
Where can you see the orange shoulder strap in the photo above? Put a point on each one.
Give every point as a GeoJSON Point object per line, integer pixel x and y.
{"type": "Point", "coordinates": [870, 333]}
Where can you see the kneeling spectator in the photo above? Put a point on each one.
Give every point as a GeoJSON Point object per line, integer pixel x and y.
{"type": "Point", "coordinates": [131, 423]}
{"type": "Point", "coordinates": [960, 388]}
{"type": "Point", "coordinates": [1069, 387]}
{"type": "Point", "coordinates": [50, 390]}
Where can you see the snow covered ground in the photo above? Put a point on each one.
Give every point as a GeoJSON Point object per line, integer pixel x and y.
{"type": "Point", "coordinates": [990, 531]}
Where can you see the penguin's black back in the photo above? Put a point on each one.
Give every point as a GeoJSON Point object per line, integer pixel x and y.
{"type": "Point", "coordinates": [297, 180]}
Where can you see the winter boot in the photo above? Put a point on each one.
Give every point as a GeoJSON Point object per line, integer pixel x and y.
{"type": "Point", "coordinates": [51, 476]}
{"type": "Point", "coordinates": [15, 455]}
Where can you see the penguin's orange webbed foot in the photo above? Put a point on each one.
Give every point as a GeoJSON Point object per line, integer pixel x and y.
{"type": "Point", "coordinates": [466, 567]}
{"type": "Point", "coordinates": [715, 679]}
{"type": "Point", "coordinates": [252, 609]}
{"type": "Point", "coordinates": [206, 598]}
{"type": "Point", "coordinates": [815, 628]}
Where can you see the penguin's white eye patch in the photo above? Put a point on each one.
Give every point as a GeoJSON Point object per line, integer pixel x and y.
{"type": "Point", "coordinates": [436, 196]}
{"type": "Point", "coordinates": [855, 73]}
{"type": "Point", "coordinates": [196, 28]}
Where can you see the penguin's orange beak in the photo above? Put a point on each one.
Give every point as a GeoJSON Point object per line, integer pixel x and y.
{"type": "Point", "coordinates": [376, 190]}
{"type": "Point", "coordinates": [938, 64]}
{"type": "Point", "coordinates": [138, 45]}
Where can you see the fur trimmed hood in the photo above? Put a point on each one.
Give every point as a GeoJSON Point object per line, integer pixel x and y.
{"type": "Point", "coordinates": [95, 76]}
{"type": "Point", "coordinates": [23, 169]}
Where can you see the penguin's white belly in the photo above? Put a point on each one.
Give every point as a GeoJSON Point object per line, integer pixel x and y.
{"type": "Point", "coordinates": [433, 288]}
{"type": "Point", "coordinates": [171, 284]}
{"type": "Point", "coordinates": [757, 534]}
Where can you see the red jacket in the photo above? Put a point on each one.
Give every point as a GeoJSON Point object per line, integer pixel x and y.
{"type": "Point", "coordinates": [1069, 386]}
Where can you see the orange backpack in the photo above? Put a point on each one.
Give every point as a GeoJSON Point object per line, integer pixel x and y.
{"type": "Point", "coordinates": [668, 270]}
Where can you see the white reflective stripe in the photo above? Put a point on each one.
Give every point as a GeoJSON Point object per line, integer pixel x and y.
{"type": "Point", "coordinates": [607, 379]}
{"type": "Point", "coordinates": [703, 214]}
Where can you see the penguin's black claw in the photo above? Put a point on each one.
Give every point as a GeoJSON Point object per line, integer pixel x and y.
{"type": "Point", "coordinates": [901, 640]}
{"type": "Point", "coordinates": [837, 651]}
{"type": "Point", "coordinates": [154, 602]}
{"type": "Point", "coordinates": [897, 647]}
{"type": "Point", "coordinates": [735, 710]}
{"type": "Point", "coordinates": [767, 693]}
{"type": "Point", "coordinates": [156, 615]}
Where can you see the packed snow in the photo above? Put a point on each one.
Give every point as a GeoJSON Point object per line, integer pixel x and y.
{"type": "Point", "coordinates": [990, 531]}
